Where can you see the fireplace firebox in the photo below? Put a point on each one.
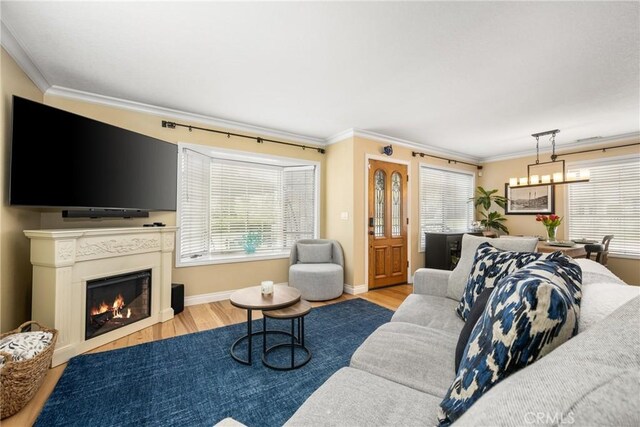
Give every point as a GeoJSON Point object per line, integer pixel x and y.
{"type": "Point", "coordinates": [117, 301]}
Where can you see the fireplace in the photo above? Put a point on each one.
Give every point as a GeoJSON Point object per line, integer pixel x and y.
{"type": "Point", "coordinates": [65, 261]}
{"type": "Point", "coordinates": [117, 301]}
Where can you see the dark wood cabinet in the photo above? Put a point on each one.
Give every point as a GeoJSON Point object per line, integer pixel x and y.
{"type": "Point", "coordinates": [442, 249]}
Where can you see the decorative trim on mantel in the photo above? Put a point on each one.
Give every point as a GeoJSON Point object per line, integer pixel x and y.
{"type": "Point", "coordinates": [57, 248]}
{"type": "Point", "coordinates": [19, 54]}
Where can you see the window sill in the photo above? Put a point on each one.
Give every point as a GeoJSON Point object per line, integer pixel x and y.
{"type": "Point", "coordinates": [230, 259]}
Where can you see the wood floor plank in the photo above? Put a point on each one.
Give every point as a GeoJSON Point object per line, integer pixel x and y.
{"type": "Point", "coordinates": [193, 319]}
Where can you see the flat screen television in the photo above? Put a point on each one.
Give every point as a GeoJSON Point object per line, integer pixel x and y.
{"type": "Point", "coordinates": [63, 160]}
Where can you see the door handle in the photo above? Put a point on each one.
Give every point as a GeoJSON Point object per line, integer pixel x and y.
{"type": "Point", "coordinates": [370, 221]}
{"type": "Point", "coordinates": [371, 233]}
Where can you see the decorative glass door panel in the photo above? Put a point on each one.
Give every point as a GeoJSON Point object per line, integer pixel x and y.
{"type": "Point", "coordinates": [387, 224]}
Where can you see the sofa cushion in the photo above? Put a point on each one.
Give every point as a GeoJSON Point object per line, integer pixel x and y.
{"type": "Point", "coordinates": [430, 311]}
{"type": "Point", "coordinates": [593, 272]}
{"type": "Point", "coordinates": [472, 319]}
{"type": "Point", "coordinates": [460, 274]}
{"type": "Point", "coordinates": [489, 266]}
{"type": "Point", "coordinates": [351, 397]}
{"type": "Point", "coordinates": [408, 354]}
{"type": "Point", "coordinates": [601, 299]}
{"type": "Point", "coordinates": [594, 379]}
{"type": "Point", "coordinates": [310, 253]}
{"type": "Point", "coordinates": [529, 313]}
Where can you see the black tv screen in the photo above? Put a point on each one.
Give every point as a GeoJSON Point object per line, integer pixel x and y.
{"type": "Point", "coordinates": [60, 159]}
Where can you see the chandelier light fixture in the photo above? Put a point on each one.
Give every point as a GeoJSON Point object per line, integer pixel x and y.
{"type": "Point", "coordinates": [548, 173]}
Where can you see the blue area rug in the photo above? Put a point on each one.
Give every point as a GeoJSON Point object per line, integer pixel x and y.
{"type": "Point", "coordinates": [192, 380]}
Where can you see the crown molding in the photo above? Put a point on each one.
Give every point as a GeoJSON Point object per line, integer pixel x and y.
{"type": "Point", "coordinates": [16, 50]}
{"type": "Point", "coordinates": [426, 148]}
{"type": "Point", "coordinates": [19, 54]}
{"type": "Point", "coordinates": [340, 136]}
{"type": "Point", "coordinates": [164, 112]}
{"type": "Point", "coordinates": [566, 147]}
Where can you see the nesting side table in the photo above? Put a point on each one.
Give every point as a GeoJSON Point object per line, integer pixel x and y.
{"type": "Point", "coordinates": [293, 312]}
{"type": "Point", "coordinates": [252, 299]}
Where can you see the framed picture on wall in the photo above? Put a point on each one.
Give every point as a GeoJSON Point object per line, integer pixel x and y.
{"type": "Point", "coordinates": [529, 200]}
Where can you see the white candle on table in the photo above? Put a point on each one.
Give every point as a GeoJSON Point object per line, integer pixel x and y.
{"type": "Point", "coordinates": [266, 287]}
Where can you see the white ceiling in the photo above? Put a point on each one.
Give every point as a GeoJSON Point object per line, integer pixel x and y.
{"type": "Point", "coordinates": [474, 77]}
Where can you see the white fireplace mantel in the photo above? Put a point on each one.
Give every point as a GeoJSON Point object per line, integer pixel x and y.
{"type": "Point", "coordinates": [64, 260]}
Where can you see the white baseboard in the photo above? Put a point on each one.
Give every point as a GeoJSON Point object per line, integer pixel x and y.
{"type": "Point", "coordinates": [355, 290]}
{"type": "Point", "coordinates": [212, 297]}
{"type": "Point", "coordinates": [205, 298]}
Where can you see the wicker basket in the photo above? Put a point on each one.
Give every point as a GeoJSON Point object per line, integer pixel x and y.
{"type": "Point", "coordinates": [19, 381]}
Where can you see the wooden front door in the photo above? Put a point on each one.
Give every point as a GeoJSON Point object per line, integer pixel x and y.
{"type": "Point", "coordinates": [387, 224]}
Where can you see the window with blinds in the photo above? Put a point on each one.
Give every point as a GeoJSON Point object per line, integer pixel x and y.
{"type": "Point", "coordinates": [229, 208]}
{"type": "Point", "coordinates": [444, 200]}
{"type": "Point", "coordinates": [608, 204]}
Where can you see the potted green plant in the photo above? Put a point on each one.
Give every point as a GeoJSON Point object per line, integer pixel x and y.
{"type": "Point", "coordinates": [491, 220]}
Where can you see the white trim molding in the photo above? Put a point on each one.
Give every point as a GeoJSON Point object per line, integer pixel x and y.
{"type": "Point", "coordinates": [207, 298]}
{"type": "Point", "coordinates": [165, 112]}
{"type": "Point", "coordinates": [214, 296]}
{"type": "Point", "coordinates": [367, 158]}
{"type": "Point", "coordinates": [355, 290]}
{"type": "Point", "coordinates": [583, 145]}
{"type": "Point", "coordinates": [19, 54]}
{"type": "Point", "coordinates": [386, 139]}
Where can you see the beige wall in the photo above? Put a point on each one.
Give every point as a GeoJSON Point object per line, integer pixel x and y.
{"type": "Point", "coordinates": [339, 191]}
{"type": "Point", "coordinates": [496, 174]}
{"type": "Point", "coordinates": [200, 279]}
{"type": "Point", "coordinates": [15, 268]}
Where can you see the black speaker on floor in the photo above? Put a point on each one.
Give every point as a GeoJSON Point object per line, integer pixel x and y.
{"type": "Point", "coordinates": [177, 297]}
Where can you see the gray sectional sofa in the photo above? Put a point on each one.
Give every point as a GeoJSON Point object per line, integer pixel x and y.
{"type": "Point", "coordinates": [400, 374]}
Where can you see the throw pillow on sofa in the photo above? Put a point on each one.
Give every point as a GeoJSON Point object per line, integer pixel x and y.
{"type": "Point", "coordinates": [528, 314]}
{"type": "Point", "coordinates": [472, 319]}
{"type": "Point", "coordinates": [489, 266]}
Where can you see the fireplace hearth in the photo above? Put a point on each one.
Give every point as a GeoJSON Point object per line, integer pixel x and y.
{"type": "Point", "coordinates": [117, 301]}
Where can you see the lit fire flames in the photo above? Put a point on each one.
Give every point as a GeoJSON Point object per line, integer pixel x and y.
{"type": "Point", "coordinates": [115, 308]}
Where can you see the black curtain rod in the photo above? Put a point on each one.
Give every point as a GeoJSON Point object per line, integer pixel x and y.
{"type": "Point", "coordinates": [603, 149]}
{"type": "Point", "coordinates": [259, 140]}
{"type": "Point", "coordinates": [417, 153]}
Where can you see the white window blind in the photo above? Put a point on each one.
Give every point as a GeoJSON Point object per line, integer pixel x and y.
{"type": "Point", "coordinates": [608, 204]}
{"type": "Point", "coordinates": [225, 202]}
{"type": "Point", "coordinates": [299, 205]}
{"type": "Point", "coordinates": [194, 207]}
{"type": "Point", "coordinates": [444, 200]}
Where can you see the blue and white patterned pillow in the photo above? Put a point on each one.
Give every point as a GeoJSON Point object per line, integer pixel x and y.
{"type": "Point", "coordinates": [489, 266]}
{"type": "Point", "coordinates": [530, 312]}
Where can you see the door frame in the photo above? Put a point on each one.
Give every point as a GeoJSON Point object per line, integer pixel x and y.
{"type": "Point", "coordinates": [365, 230]}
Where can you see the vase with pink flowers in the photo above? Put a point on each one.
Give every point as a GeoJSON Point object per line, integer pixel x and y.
{"type": "Point", "coordinates": [551, 223]}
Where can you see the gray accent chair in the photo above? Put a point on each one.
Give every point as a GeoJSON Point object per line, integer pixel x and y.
{"type": "Point", "coordinates": [316, 269]}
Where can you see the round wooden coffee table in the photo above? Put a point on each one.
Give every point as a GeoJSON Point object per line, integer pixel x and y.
{"type": "Point", "coordinates": [252, 299]}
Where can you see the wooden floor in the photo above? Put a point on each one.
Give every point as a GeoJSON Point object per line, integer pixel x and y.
{"type": "Point", "coordinates": [193, 319]}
